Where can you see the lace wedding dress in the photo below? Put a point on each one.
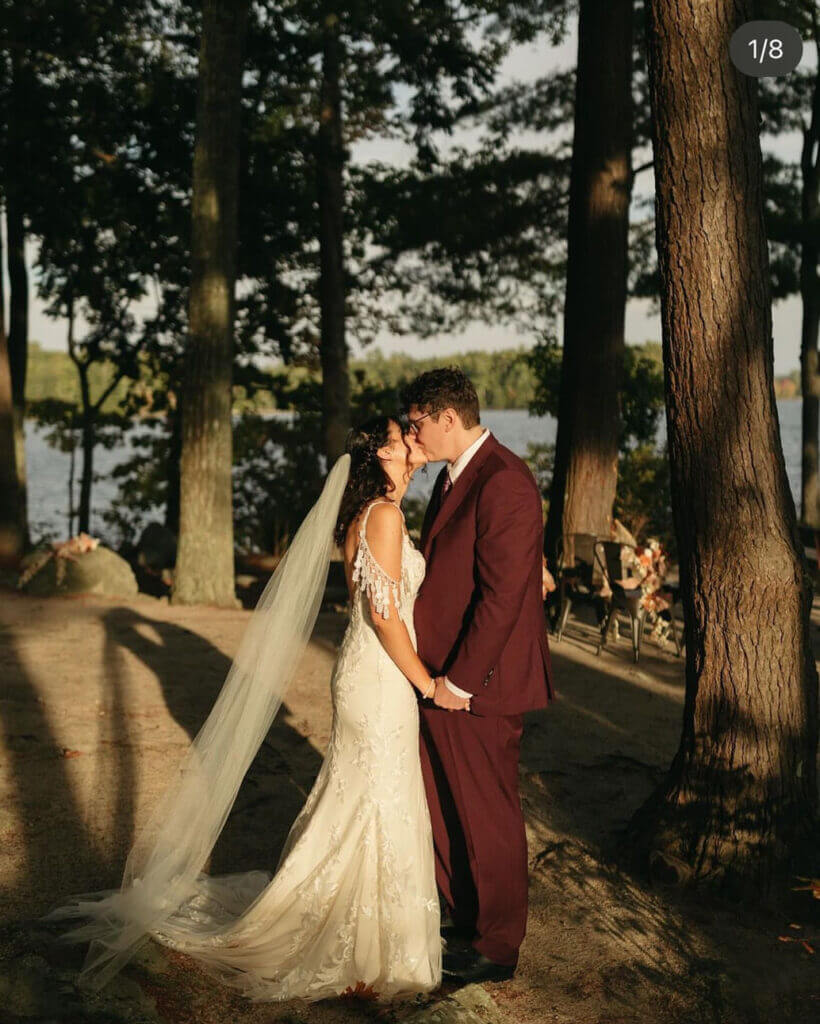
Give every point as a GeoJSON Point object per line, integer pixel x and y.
{"type": "Point", "coordinates": [354, 896]}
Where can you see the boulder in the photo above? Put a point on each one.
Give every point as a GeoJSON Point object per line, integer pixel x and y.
{"type": "Point", "coordinates": [100, 571]}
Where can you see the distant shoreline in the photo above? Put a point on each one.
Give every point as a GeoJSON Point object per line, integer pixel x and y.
{"type": "Point", "coordinates": [287, 413]}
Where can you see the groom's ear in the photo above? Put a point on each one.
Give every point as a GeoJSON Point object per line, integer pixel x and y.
{"type": "Point", "coordinates": [449, 418]}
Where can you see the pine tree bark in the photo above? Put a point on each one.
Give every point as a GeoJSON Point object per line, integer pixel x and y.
{"type": "Point", "coordinates": [739, 803]}
{"type": "Point", "coordinates": [585, 471]}
{"type": "Point", "coordinates": [205, 561]}
{"type": "Point", "coordinates": [810, 327]}
{"type": "Point", "coordinates": [11, 537]}
{"type": "Point", "coordinates": [18, 281]}
{"type": "Point", "coordinates": [330, 181]}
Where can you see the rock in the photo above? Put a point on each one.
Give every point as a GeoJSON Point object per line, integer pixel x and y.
{"type": "Point", "coordinates": [122, 1001]}
{"type": "Point", "coordinates": [157, 548]}
{"type": "Point", "coordinates": [27, 991]}
{"type": "Point", "coordinates": [100, 571]}
{"type": "Point", "coordinates": [33, 990]}
{"type": "Point", "coordinates": [151, 958]}
{"type": "Point", "coordinates": [468, 1005]}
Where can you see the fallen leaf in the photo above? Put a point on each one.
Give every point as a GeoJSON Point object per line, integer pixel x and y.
{"type": "Point", "coordinates": [361, 991]}
{"type": "Point", "coordinates": [65, 752]}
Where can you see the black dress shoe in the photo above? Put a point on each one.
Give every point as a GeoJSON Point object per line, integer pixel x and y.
{"type": "Point", "coordinates": [471, 967]}
{"type": "Point", "coordinates": [457, 934]}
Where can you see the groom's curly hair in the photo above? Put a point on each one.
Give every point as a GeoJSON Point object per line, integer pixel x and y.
{"type": "Point", "coordinates": [367, 479]}
{"type": "Point", "coordinates": [440, 389]}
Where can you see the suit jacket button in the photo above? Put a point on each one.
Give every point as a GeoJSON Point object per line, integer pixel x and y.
{"type": "Point", "coordinates": [490, 672]}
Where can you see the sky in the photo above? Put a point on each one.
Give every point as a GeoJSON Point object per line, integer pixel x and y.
{"type": "Point", "coordinates": [642, 324]}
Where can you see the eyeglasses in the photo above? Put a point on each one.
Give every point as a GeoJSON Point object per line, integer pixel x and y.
{"type": "Point", "coordinates": [414, 424]}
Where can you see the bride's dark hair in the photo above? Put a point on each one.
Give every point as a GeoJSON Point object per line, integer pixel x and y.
{"type": "Point", "coordinates": [367, 479]}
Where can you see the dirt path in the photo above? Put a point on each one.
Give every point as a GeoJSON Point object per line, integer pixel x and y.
{"type": "Point", "coordinates": [101, 697]}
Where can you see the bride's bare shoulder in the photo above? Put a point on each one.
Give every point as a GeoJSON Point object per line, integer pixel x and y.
{"type": "Point", "coordinates": [378, 521]}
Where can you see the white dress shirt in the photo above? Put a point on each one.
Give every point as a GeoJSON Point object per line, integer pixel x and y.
{"type": "Point", "coordinates": [454, 470]}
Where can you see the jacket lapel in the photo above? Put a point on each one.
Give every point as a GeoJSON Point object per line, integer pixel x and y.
{"type": "Point", "coordinates": [460, 488]}
{"type": "Point", "coordinates": [433, 506]}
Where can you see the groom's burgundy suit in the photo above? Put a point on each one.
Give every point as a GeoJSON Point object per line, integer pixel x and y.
{"type": "Point", "coordinates": [479, 617]}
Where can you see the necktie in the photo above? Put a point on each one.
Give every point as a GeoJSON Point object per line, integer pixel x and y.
{"type": "Point", "coordinates": [447, 487]}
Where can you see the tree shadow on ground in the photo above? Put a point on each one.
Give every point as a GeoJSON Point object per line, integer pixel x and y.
{"type": "Point", "coordinates": [636, 950]}
{"type": "Point", "coordinates": [42, 815]}
{"type": "Point", "coordinates": [42, 803]}
{"type": "Point", "coordinates": [280, 776]}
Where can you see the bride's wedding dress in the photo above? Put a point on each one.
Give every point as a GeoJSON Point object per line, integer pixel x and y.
{"type": "Point", "coordinates": [353, 899]}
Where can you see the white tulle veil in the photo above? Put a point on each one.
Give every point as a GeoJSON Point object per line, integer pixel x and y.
{"type": "Point", "coordinates": [164, 867]}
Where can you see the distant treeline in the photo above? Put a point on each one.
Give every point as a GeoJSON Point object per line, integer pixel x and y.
{"type": "Point", "coordinates": [503, 379]}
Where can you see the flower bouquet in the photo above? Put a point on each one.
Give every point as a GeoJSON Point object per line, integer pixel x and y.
{"type": "Point", "coordinates": [649, 564]}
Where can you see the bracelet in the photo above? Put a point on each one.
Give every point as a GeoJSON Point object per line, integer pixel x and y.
{"type": "Point", "coordinates": [431, 690]}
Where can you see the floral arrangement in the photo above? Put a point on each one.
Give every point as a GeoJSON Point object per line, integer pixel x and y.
{"type": "Point", "coordinates": [649, 563]}
{"type": "Point", "coordinates": [61, 552]}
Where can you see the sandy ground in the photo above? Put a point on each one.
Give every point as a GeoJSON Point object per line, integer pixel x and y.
{"type": "Point", "coordinates": [100, 698]}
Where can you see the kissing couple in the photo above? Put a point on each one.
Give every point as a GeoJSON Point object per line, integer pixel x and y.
{"type": "Point", "coordinates": [408, 859]}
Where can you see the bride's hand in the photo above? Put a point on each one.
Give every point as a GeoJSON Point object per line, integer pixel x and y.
{"type": "Point", "coordinates": [444, 698]}
{"type": "Point", "coordinates": [548, 583]}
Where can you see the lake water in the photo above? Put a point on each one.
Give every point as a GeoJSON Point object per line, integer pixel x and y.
{"type": "Point", "coordinates": [48, 468]}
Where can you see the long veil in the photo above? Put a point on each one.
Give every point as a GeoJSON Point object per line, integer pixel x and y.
{"type": "Point", "coordinates": [163, 869]}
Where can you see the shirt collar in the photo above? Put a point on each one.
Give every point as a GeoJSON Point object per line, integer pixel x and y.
{"type": "Point", "coordinates": [455, 468]}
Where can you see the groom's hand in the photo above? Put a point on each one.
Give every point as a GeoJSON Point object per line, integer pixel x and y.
{"type": "Point", "coordinates": [444, 698]}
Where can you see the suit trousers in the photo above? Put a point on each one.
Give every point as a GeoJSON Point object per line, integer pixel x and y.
{"type": "Point", "coordinates": [470, 768]}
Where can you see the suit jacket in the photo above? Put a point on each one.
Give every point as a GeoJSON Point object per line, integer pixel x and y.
{"type": "Point", "coordinates": [479, 614]}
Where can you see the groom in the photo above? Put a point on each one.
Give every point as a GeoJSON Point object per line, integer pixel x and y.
{"type": "Point", "coordinates": [479, 617]}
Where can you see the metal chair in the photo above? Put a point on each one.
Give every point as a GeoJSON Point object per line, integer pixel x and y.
{"type": "Point", "coordinates": [579, 578]}
{"type": "Point", "coordinates": [608, 557]}
{"type": "Point", "coordinates": [674, 591]}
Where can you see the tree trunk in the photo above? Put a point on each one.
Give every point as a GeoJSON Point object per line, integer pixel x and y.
{"type": "Point", "coordinates": [72, 469]}
{"type": "Point", "coordinates": [330, 160]}
{"type": "Point", "coordinates": [11, 536]}
{"type": "Point", "coordinates": [810, 294]}
{"type": "Point", "coordinates": [87, 471]}
{"type": "Point", "coordinates": [18, 281]}
{"type": "Point", "coordinates": [172, 471]}
{"type": "Point", "coordinates": [205, 563]}
{"type": "Point", "coordinates": [86, 428]}
{"type": "Point", "coordinates": [585, 474]}
{"type": "Point", "coordinates": [84, 512]}
{"type": "Point", "coordinates": [739, 802]}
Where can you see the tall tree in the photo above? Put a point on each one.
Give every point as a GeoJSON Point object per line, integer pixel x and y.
{"type": "Point", "coordinates": [330, 165]}
{"type": "Point", "coordinates": [84, 355]}
{"type": "Point", "coordinates": [586, 451]}
{"type": "Point", "coordinates": [20, 89]}
{"type": "Point", "coordinates": [740, 799]}
{"type": "Point", "coordinates": [205, 566]}
{"type": "Point", "coordinates": [810, 293]}
{"type": "Point", "coordinates": [791, 103]}
{"type": "Point", "coordinates": [11, 536]}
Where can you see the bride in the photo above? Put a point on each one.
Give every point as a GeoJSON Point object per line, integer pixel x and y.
{"type": "Point", "coordinates": [353, 902]}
